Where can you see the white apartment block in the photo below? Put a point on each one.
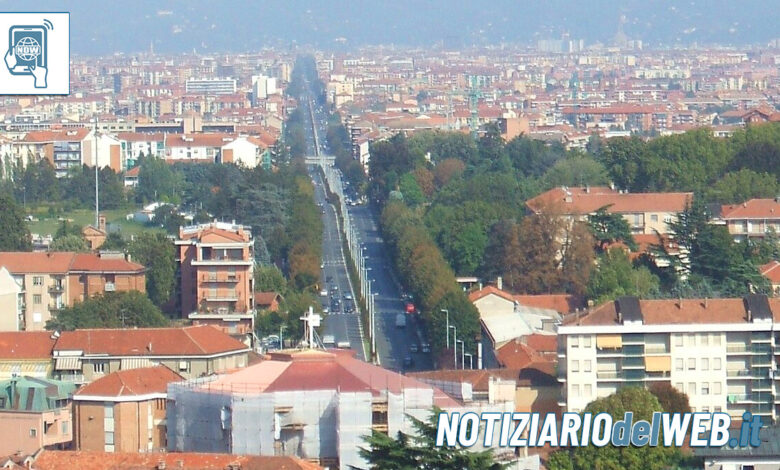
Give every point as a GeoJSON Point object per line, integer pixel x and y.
{"type": "Point", "coordinates": [722, 353]}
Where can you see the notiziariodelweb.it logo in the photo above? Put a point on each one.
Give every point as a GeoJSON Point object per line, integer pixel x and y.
{"type": "Point", "coordinates": [580, 430]}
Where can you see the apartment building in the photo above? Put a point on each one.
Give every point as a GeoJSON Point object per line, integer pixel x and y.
{"type": "Point", "coordinates": [751, 219]}
{"type": "Point", "coordinates": [123, 411]}
{"type": "Point", "coordinates": [82, 356]}
{"type": "Point", "coordinates": [646, 213]}
{"type": "Point", "coordinates": [53, 280]}
{"type": "Point", "coordinates": [10, 302]}
{"type": "Point", "coordinates": [216, 276]}
{"type": "Point", "coordinates": [26, 353]}
{"type": "Point", "coordinates": [64, 148]}
{"type": "Point", "coordinates": [34, 413]}
{"type": "Point", "coordinates": [211, 86]}
{"type": "Point", "coordinates": [722, 353]}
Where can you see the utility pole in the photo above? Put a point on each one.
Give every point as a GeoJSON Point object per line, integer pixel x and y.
{"type": "Point", "coordinates": [97, 191]}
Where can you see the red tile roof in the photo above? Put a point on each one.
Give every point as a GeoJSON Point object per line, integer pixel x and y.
{"type": "Point", "coordinates": [26, 344]}
{"type": "Point", "coordinates": [94, 263]}
{"type": "Point", "coordinates": [198, 140]}
{"type": "Point", "coordinates": [322, 370]}
{"type": "Point", "coordinates": [63, 262]}
{"type": "Point", "coordinates": [676, 311]}
{"type": "Point", "coordinates": [771, 271]}
{"type": "Point", "coordinates": [589, 200]}
{"type": "Point", "coordinates": [752, 209]}
{"type": "Point", "coordinates": [131, 382]}
{"type": "Point", "coordinates": [200, 340]}
{"type": "Point", "coordinates": [562, 303]}
{"type": "Point", "coordinates": [18, 262]}
{"type": "Point", "coordinates": [82, 460]}
{"type": "Point", "coordinates": [63, 135]}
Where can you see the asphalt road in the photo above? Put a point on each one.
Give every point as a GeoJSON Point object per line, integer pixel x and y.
{"type": "Point", "coordinates": [392, 343]}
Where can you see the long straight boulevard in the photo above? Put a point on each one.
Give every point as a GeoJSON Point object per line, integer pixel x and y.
{"type": "Point", "coordinates": [396, 347]}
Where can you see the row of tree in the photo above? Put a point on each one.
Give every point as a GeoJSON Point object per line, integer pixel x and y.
{"type": "Point", "coordinates": [428, 276]}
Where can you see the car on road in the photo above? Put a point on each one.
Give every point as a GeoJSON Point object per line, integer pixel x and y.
{"type": "Point", "coordinates": [328, 340]}
{"type": "Point", "coordinates": [400, 320]}
{"type": "Point", "coordinates": [347, 296]}
{"type": "Point", "coordinates": [426, 348]}
{"type": "Point", "coordinates": [343, 345]}
{"type": "Point", "coordinates": [334, 288]}
{"type": "Point", "coordinates": [408, 361]}
{"type": "Point", "coordinates": [413, 347]}
{"type": "Point", "coordinates": [324, 293]}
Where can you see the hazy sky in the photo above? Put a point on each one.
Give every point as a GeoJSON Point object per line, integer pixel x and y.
{"type": "Point", "coordinates": [100, 27]}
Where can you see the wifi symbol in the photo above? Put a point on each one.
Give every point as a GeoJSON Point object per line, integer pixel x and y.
{"type": "Point", "coordinates": [48, 24]}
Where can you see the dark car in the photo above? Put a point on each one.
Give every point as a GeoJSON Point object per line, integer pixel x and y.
{"type": "Point", "coordinates": [413, 347]}
{"type": "Point", "coordinates": [408, 361]}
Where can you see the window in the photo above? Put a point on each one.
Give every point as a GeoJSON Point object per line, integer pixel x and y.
{"type": "Point", "coordinates": [716, 388]}
{"type": "Point", "coordinates": [575, 390]}
{"type": "Point", "coordinates": [705, 388]}
{"type": "Point", "coordinates": [680, 386]}
{"type": "Point", "coordinates": [705, 363]}
{"type": "Point", "coordinates": [586, 342]}
{"type": "Point", "coordinates": [108, 410]}
{"type": "Point", "coordinates": [33, 432]}
{"type": "Point", "coordinates": [586, 365]}
{"type": "Point", "coordinates": [575, 341]}
{"type": "Point", "coordinates": [37, 299]}
{"type": "Point", "coordinates": [109, 438]}
{"type": "Point", "coordinates": [575, 366]}
{"type": "Point", "coordinates": [716, 340]}
{"type": "Point", "coordinates": [678, 340]}
{"type": "Point", "coordinates": [678, 364]}
{"type": "Point", "coordinates": [705, 339]}
{"type": "Point", "coordinates": [691, 363]}
{"type": "Point", "coordinates": [716, 362]}
{"type": "Point", "coordinates": [37, 280]}
{"type": "Point", "coordinates": [718, 409]}
{"type": "Point", "coordinates": [184, 366]}
{"type": "Point", "coordinates": [691, 388]}
{"type": "Point", "coordinates": [588, 390]}
{"type": "Point", "coordinates": [654, 217]}
{"type": "Point", "coordinates": [64, 428]}
{"type": "Point", "coordinates": [99, 367]}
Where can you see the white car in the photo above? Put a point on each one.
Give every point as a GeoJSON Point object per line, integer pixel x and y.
{"type": "Point", "coordinates": [324, 292]}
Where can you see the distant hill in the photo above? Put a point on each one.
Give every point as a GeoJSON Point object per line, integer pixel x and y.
{"type": "Point", "coordinates": [183, 25]}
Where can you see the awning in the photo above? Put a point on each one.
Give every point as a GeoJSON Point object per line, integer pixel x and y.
{"type": "Point", "coordinates": [658, 363]}
{"type": "Point", "coordinates": [609, 341]}
{"type": "Point", "coordinates": [135, 363]}
{"type": "Point", "coordinates": [67, 363]}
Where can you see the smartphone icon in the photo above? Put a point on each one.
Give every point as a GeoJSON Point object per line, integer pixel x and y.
{"type": "Point", "coordinates": [28, 44]}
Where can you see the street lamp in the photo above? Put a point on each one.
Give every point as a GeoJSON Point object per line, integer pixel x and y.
{"type": "Point", "coordinates": [455, 344]}
{"type": "Point", "coordinates": [448, 326]}
{"type": "Point", "coordinates": [471, 360]}
{"type": "Point", "coordinates": [281, 337]}
{"type": "Point", "coordinates": [462, 353]}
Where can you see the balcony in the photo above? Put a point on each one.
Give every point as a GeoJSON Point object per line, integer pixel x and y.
{"type": "Point", "coordinates": [56, 288]}
{"type": "Point", "coordinates": [744, 349]}
{"type": "Point", "coordinates": [633, 350]}
{"type": "Point", "coordinates": [229, 278]}
{"type": "Point", "coordinates": [745, 374]}
{"type": "Point", "coordinates": [110, 287]}
{"type": "Point", "coordinates": [634, 362]}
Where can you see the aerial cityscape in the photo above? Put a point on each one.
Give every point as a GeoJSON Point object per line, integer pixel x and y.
{"type": "Point", "coordinates": [304, 235]}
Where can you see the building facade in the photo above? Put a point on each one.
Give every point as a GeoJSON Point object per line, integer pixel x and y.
{"type": "Point", "coordinates": [123, 411]}
{"type": "Point", "coordinates": [722, 353]}
{"type": "Point", "coordinates": [53, 280]}
{"type": "Point", "coordinates": [216, 276]}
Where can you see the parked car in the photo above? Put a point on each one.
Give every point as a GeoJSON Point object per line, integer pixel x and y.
{"type": "Point", "coordinates": [426, 348]}
{"type": "Point", "coordinates": [413, 347]}
{"type": "Point", "coordinates": [408, 361]}
{"type": "Point", "coordinates": [328, 340]}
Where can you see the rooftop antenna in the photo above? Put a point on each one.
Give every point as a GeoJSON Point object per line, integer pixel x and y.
{"type": "Point", "coordinates": [311, 321]}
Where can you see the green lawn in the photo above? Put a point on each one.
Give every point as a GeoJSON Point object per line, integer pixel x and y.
{"type": "Point", "coordinates": [48, 225]}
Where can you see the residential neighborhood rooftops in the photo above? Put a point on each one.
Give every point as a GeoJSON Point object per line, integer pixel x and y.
{"type": "Point", "coordinates": [200, 340]}
{"type": "Point", "coordinates": [56, 460]}
{"type": "Point", "coordinates": [586, 200]}
{"type": "Point", "coordinates": [62, 262]}
{"type": "Point", "coordinates": [26, 345]}
{"type": "Point", "coordinates": [129, 383]}
{"type": "Point", "coordinates": [752, 209]}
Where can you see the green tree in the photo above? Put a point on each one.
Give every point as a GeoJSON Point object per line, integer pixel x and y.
{"type": "Point", "coordinates": [642, 403]}
{"type": "Point", "coordinates": [737, 187]}
{"type": "Point", "coordinates": [419, 451]}
{"type": "Point", "coordinates": [110, 310]}
{"type": "Point", "coordinates": [114, 241]}
{"type": "Point", "coordinates": [609, 228]}
{"type": "Point", "coordinates": [157, 253]}
{"type": "Point", "coordinates": [15, 235]}
{"type": "Point", "coordinates": [157, 181]}
{"type": "Point", "coordinates": [579, 170]}
{"type": "Point", "coordinates": [671, 399]}
{"type": "Point", "coordinates": [66, 228]}
{"type": "Point", "coordinates": [411, 191]}
{"type": "Point", "coordinates": [69, 243]}
{"type": "Point", "coordinates": [560, 460]}
{"type": "Point", "coordinates": [615, 277]}
{"type": "Point", "coordinates": [269, 279]}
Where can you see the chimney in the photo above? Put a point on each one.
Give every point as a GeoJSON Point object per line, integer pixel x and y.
{"type": "Point", "coordinates": [587, 189]}
{"type": "Point", "coordinates": [102, 222]}
{"type": "Point", "coordinates": [500, 283]}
